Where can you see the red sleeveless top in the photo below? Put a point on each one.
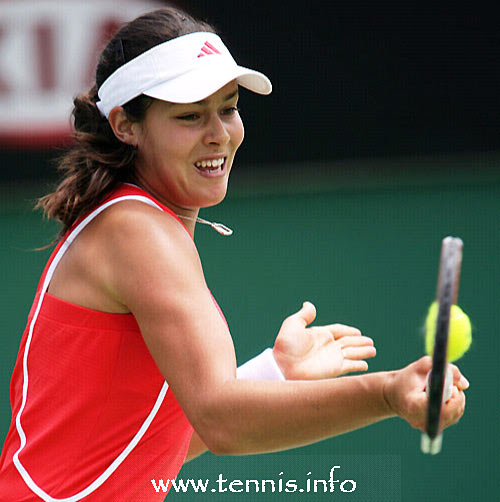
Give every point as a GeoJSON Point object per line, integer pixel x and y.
{"type": "Point", "coordinates": [92, 417]}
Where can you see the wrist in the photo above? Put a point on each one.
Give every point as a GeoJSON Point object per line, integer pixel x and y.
{"type": "Point", "coordinates": [387, 391]}
{"type": "Point", "coordinates": [288, 366]}
{"type": "Point", "coordinates": [261, 367]}
{"type": "Point", "coordinates": [281, 362]}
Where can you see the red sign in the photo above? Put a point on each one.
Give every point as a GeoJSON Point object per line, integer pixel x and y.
{"type": "Point", "coordinates": [48, 53]}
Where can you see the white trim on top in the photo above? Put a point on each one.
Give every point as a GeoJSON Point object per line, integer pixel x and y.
{"type": "Point", "coordinates": [22, 436]}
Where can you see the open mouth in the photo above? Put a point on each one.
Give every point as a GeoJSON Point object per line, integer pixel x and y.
{"type": "Point", "coordinates": [211, 167]}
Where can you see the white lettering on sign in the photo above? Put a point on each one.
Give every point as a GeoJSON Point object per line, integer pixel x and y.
{"type": "Point", "coordinates": [48, 53]}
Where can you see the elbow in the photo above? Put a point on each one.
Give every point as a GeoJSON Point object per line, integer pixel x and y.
{"type": "Point", "coordinates": [219, 431]}
{"type": "Point", "coordinates": [221, 448]}
{"type": "Point", "coordinates": [217, 436]}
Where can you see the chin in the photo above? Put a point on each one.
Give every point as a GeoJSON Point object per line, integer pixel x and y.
{"type": "Point", "coordinates": [214, 201]}
{"type": "Point", "coordinates": [214, 196]}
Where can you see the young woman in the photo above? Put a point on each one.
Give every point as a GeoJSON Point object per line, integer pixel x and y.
{"type": "Point", "coordinates": [126, 352]}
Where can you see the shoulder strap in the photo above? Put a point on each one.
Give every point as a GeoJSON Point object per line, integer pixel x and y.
{"type": "Point", "coordinates": [45, 281]}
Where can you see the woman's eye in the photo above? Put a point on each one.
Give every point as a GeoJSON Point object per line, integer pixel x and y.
{"type": "Point", "coordinates": [231, 110]}
{"type": "Point", "coordinates": [192, 117]}
{"type": "Point", "coordinates": [189, 117]}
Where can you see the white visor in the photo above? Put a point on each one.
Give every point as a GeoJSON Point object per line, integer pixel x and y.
{"type": "Point", "coordinates": [185, 69]}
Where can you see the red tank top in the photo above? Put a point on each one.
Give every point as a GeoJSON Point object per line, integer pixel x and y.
{"type": "Point", "coordinates": [92, 417]}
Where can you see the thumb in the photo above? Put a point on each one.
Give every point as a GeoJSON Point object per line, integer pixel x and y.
{"type": "Point", "coordinates": [306, 314]}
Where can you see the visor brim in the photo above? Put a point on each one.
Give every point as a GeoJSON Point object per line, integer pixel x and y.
{"type": "Point", "coordinates": [198, 84]}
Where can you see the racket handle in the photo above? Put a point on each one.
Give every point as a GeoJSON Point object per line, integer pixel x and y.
{"type": "Point", "coordinates": [427, 444]}
{"type": "Point", "coordinates": [432, 446]}
{"type": "Point", "coordinates": [447, 386]}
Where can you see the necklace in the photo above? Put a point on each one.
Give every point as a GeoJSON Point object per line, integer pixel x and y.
{"type": "Point", "coordinates": [218, 227]}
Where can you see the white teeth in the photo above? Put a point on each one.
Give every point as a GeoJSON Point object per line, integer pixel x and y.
{"type": "Point", "coordinates": [215, 163]}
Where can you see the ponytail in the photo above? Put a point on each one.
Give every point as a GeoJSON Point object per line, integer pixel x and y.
{"type": "Point", "coordinates": [91, 168]}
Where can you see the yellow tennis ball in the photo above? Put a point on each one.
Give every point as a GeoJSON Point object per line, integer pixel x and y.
{"type": "Point", "coordinates": [459, 333]}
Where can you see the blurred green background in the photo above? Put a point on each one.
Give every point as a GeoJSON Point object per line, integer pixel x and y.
{"type": "Point", "coordinates": [410, 86]}
{"type": "Point", "coordinates": [361, 240]}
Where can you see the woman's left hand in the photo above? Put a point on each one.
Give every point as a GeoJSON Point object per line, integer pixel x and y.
{"type": "Point", "coordinates": [316, 352]}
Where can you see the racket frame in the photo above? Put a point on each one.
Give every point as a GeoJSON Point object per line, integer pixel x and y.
{"type": "Point", "coordinates": [446, 296]}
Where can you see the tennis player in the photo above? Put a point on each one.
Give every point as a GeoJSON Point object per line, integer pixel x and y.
{"type": "Point", "coordinates": [127, 367]}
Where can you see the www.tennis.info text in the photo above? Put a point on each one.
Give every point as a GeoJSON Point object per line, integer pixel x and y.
{"type": "Point", "coordinates": [262, 486]}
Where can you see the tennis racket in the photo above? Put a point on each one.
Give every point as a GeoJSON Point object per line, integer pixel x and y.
{"type": "Point", "coordinates": [446, 296]}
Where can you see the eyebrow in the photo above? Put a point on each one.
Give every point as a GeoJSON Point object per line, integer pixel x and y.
{"type": "Point", "coordinates": [227, 98]}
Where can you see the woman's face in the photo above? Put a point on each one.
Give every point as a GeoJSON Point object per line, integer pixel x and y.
{"type": "Point", "coordinates": [185, 151]}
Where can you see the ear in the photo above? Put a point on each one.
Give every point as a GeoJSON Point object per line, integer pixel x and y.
{"type": "Point", "coordinates": [125, 130]}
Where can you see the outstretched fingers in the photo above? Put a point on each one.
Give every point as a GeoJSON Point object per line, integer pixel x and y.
{"type": "Point", "coordinates": [357, 346]}
{"type": "Point", "coordinates": [359, 352]}
{"type": "Point", "coordinates": [350, 366]}
{"type": "Point", "coordinates": [341, 330]}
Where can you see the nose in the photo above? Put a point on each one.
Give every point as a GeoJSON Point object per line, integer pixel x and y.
{"type": "Point", "coordinates": [216, 133]}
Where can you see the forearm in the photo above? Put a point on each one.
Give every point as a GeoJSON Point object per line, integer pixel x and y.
{"type": "Point", "coordinates": [260, 367]}
{"type": "Point", "coordinates": [255, 417]}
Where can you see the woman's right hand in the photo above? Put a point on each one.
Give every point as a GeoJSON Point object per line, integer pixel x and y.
{"type": "Point", "coordinates": [406, 396]}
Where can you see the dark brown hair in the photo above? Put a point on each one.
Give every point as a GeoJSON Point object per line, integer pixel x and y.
{"type": "Point", "coordinates": [97, 161]}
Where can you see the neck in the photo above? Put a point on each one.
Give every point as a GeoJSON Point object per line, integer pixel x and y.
{"type": "Point", "coordinates": [188, 216]}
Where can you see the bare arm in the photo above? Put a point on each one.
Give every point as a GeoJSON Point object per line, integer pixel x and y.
{"type": "Point", "coordinates": [192, 347]}
{"type": "Point", "coordinates": [305, 353]}
{"type": "Point", "coordinates": [196, 447]}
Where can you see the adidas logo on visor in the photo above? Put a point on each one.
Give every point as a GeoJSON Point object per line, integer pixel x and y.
{"type": "Point", "coordinates": [207, 50]}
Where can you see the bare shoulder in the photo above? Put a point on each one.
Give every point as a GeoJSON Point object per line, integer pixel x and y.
{"type": "Point", "coordinates": [124, 254]}
{"type": "Point", "coordinates": [133, 232]}
{"type": "Point", "coordinates": [131, 220]}
{"type": "Point", "coordinates": [144, 247]}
